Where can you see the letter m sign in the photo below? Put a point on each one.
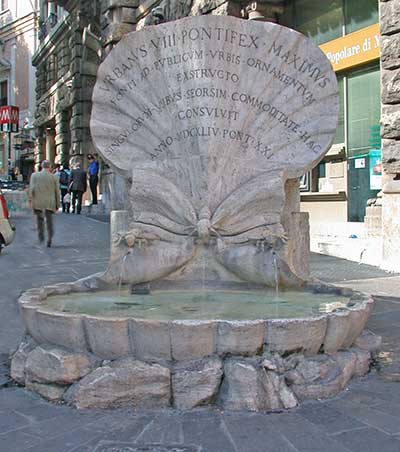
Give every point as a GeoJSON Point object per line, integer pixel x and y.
{"type": "Point", "coordinates": [9, 119]}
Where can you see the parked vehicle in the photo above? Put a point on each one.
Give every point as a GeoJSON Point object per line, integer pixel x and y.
{"type": "Point", "coordinates": [7, 229]}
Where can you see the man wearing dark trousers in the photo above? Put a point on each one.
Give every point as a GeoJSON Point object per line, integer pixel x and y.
{"type": "Point", "coordinates": [44, 198]}
{"type": "Point", "coordinates": [93, 172]}
{"type": "Point", "coordinates": [78, 186]}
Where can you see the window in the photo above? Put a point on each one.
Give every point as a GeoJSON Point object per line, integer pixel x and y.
{"type": "Point", "coordinates": [363, 110]}
{"type": "Point", "coordinates": [339, 138]}
{"type": "Point", "coordinates": [360, 14]}
{"type": "Point", "coordinates": [3, 93]}
{"type": "Point", "coordinates": [324, 21]}
{"type": "Point", "coordinates": [3, 5]}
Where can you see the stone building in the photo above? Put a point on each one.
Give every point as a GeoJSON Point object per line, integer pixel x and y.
{"type": "Point", "coordinates": [66, 63]}
{"type": "Point", "coordinates": [18, 41]}
{"type": "Point", "coordinates": [350, 32]}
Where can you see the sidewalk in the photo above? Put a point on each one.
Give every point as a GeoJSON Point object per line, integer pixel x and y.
{"type": "Point", "coordinates": [366, 417]}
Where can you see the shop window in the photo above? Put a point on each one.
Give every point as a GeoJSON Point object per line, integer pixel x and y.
{"type": "Point", "coordinates": [339, 137]}
{"type": "Point", "coordinates": [3, 93]}
{"type": "Point", "coordinates": [324, 21]}
{"type": "Point", "coordinates": [321, 21]}
{"type": "Point", "coordinates": [360, 14]}
{"type": "Point", "coordinates": [363, 110]}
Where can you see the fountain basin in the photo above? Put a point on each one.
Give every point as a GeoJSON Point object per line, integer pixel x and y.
{"type": "Point", "coordinates": [207, 336]}
{"type": "Point", "coordinates": [190, 325]}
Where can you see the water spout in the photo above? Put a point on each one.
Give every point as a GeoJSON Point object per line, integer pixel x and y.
{"type": "Point", "coordinates": [121, 276]}
{"type": "Point", "coordinates": [276, 274]}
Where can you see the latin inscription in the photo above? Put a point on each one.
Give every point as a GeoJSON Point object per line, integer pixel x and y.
{"type": "Point", "coordinates": [201, 108]}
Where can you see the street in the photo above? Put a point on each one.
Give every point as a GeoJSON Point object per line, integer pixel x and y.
{"type": "Point", "coordinates": [365, 417]}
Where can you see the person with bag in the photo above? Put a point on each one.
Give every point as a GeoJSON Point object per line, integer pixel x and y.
{"type": "Point", "coordinates": [44, 198]}
{"type": "Point", "coordinates": [63, 175]}
{"type": "Point", "coordinates": [78, 186]}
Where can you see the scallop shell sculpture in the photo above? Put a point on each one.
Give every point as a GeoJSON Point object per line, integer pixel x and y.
{"type": "Point", "coordinates": [208, 117]}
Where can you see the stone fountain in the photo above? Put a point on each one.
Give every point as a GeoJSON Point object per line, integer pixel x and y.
{"type": "Point", "coordinates": [206, 299]}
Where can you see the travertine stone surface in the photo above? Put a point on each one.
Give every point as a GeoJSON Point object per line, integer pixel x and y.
{"type": "Point", "coordinates": [19, 358]}
{"type": "Point", "coordinates": [290, 335]}
{"type": "Point", "coordinates": [59, 366]}
{"type": "Point", "coordinates": [108, 338]}
{"type": "Point", "coordinates": [51, 392]}
{"type": "Point", "coordinates": [61, 329]}
{"type": "Point", "coordinates": [390, 52]}
{"type": "Point", "coordinates": [123, 383]}
{"type": "Point", "coordinates": [193, 339]}
{"type": "Point", "coordinates": [389, 17]}
{"type": "Point", "coordinates": [196, 383]}
{"type": "Point", "coordinates": [209, 117]}
{"type": "Point", "coordinates": [240, 338]}
{"type": "Point", "coordinates": [337, 330]}
{"type": "Point", "coordinates": [390, 92]}
{"type": "Point", "coordinates": [250, 385]}
{"type": "Point", "coordinates": [150, 339]}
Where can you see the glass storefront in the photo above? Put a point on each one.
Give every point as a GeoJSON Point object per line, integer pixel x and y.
{"type": "Point", "coordinates": [363, 108]}
{"type": "Point", "coordinates": [346, 167]}
{"type": "Point", "coordinates": [324, 21]}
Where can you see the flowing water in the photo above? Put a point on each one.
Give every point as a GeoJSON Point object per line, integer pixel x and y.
{"type": "Point", "coordinates": [198, 305]}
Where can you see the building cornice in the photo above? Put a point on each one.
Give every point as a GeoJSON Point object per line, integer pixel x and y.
{"type": "Point", "coordinates": [49, 42]}
{"type": "Point", "coordinates": [18, 26]}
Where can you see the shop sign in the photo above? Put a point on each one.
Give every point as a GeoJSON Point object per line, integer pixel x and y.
{"type": "Point", "coordinates": [9, 119]}
{"type": "Point", "coordinates": [375, 169]}
{"type": "Point", "coordinates": [359, 163]}
{"type": "Point", "coordinates": [356, 48]}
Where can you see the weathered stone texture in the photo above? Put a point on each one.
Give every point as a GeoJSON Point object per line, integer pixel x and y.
{"type": "Point", "coordinates": [391, 156]}
{"type": "Point", "coordinates": [390, 86]}
{"type": "Point", "coordinates": [18, 360]}
{"type": "Point", "coordinates": [324, 376]}
{"type": "Point", "coordinates": [240, 338]}
{"type": "Point", "coordinates": [55, 365]}
{"type": "Point", "coordinates": [390, 121]}
{"type": "Point", "coordinates": [123, 383]}
{"type": "Point", "coordinates": [51, 392]}
{"type": "Point", "coordinates": [248, 385]}
{"type": "Point", "coordinates": [389, 17]}
{"type": "Point", "coordinates": [196, 383]}
{"type": "Point", "coordinates": [390, 52]}
{"type": "Point", "coordinates": [193, 339]}
{"type": "Point", "coordinates": [108, 338]}
{"type": "Point", "coordinates": [369, 341]}
{"type": "Point", "coordinates": [150, 339]}
{"type": "Point", "coordinates": [296, 335]}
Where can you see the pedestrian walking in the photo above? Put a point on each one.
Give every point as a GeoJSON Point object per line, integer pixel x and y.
{"type": "Point", "coordinates": [93, 172]}
{"type": "Point", "coordinates": [44, 198]}
{"type": "Point", "coordinates": [78, 187]}
{"type": "Point", "coordinates": [63, 175]}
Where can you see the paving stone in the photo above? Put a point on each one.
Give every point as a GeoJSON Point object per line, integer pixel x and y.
{"type": "Point", "coordinates": [211, 434]}
{"type": "Point", "coordinates": [368, 440]}
{"type": "Point", "coordinates": [369, 416]}
{"type": "Point", "coordinates": [254, 434]}
{"type": "Point", "coordinates": [304, 435]}
{"type": "Point", "coordinates": [327, 418]}
{"type": "Point", "coordinates": [17, 441]}
{"type": "Point", "coordinates": [10, 421]}
{"type": "Point", "coordinates": [163, 430]}
{"type": "Point", "coordinates": [66, 441]}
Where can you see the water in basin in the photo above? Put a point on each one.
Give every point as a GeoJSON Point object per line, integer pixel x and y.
{"type": "Point", "coordinates": [198, 305]}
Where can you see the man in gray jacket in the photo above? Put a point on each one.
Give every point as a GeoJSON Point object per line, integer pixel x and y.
{"type": "Point", "coordinates": [44, 198]}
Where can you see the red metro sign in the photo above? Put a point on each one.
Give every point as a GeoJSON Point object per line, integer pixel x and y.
{"type": "Point", "coordinates": [9, 119]}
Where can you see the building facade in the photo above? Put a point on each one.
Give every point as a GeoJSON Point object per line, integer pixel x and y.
{"type": "Point", "coordinates": [66, 64]}
{"type": "Point", "coordinates": [361, 168]}
{"type": "Point", "coordinates": [18, 42]}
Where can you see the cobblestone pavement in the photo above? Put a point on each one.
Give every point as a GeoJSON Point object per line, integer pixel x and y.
{"type": "Point", "coordinates": [366, 417]}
